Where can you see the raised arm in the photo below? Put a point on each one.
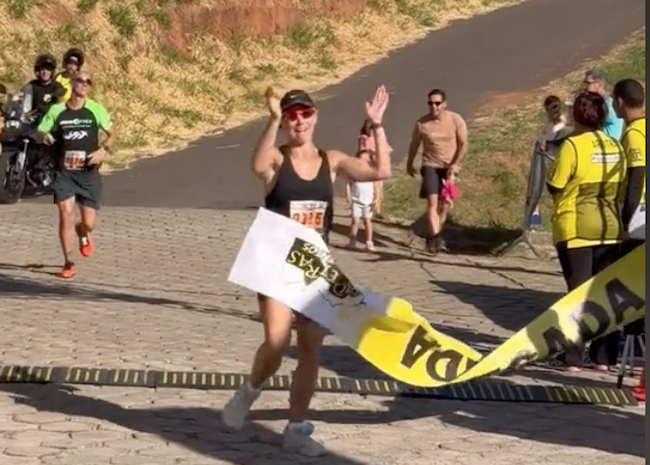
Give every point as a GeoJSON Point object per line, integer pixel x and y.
{"type": "Point", "coordinates": [266, 155]}
{"type": "Point", "coordinates": [357, 169]}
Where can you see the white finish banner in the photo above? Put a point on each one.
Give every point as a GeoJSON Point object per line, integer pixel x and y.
{"type": "Point", "coordinates": [289, 262]}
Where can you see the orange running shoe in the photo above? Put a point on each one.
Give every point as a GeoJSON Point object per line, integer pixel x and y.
{"type": "Point", "coordinates": [85, 242]}
{"type": "Point", "coordinates": [68, 271]}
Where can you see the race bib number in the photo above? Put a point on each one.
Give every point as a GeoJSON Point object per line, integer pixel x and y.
{"type": "Point", "coordinates": [75, 160]}
{"type": "Point", "coordinates": [309, 213]}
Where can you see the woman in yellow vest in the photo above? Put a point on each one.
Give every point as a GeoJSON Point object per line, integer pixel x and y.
{"type": "Point", "coordinates": [586, 182]}
{"type": "Point", "coordinates": [73, 60]}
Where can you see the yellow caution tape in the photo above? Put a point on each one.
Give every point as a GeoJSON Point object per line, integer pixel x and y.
{"type": "Point", "coordinates": [403, 345]}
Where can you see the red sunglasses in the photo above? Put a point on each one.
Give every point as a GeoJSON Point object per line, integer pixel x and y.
{"type": "Point", "coordinates": [292, 114]}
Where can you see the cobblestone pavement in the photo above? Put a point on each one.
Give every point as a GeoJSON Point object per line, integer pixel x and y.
{"type": "Point", "coordinates": [156, 296]}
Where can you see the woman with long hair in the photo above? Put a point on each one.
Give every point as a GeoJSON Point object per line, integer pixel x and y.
{"type": "Point", "coordinates": [298, 179]}
{"type": "Point", "coordinates": [585, 181]}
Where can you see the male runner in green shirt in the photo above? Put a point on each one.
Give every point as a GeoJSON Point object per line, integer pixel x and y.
{"type": "Point", "coordinates": [74, 127]}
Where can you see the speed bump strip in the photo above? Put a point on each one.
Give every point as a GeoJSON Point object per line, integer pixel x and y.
{"type": "Point", "coordinates": [488, 390]}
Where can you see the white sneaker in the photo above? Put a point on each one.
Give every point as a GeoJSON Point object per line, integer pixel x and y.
{"type": "Point", "coordinates": [236, 410]}
{"type": "Point", "coordinates": [297, 439]}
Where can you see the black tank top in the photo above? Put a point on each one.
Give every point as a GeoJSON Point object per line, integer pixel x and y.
{"type": "Point", "coordinates": [308, 202]}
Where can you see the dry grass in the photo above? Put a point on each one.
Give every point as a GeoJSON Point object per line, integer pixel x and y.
{"type": "Point", "coordinates": [161, 98]}
{"type": "Point", "coordinates": [494, 177]}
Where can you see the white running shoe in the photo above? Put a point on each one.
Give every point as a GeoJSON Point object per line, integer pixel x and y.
{"type": "Point", "coordinates": [297, 439]}
{"type": "Point", "coordinates": [236, 410]}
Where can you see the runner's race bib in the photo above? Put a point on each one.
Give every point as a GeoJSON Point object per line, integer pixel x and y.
{"type": "Point", "coordinates": [310, 213]}
{"type": "Point", "coordinates": [75, 160]}
{"type": "Point", "coordinates": [636, 229]}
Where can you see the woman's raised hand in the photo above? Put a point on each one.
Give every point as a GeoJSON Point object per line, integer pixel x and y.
{"type": "Point", "coordinates": [273, 102]}
{"type": "Point", "coordinates": [376, 107]}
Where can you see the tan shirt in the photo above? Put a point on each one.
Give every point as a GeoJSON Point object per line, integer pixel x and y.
{"type": "Point", "coordinates": [439, 138]}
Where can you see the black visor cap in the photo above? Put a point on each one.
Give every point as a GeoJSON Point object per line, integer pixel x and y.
{"type": "Point", "coordinates": [296, 97]}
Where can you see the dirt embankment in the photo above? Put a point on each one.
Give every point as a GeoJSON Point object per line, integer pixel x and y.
{"type": "Point", "coordinates": [170, 71]}
{"type": "Point", "coordinates": [252, 18]}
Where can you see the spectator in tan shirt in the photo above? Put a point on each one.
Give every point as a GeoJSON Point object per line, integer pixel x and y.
{"type": "Point", "coordinates": [443, 137]}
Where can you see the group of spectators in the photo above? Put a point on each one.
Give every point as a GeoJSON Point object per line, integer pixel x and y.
{"type": "Point", "coordinates": [596, 178]}
{"type": "Point", "coordinates": [597, 181]}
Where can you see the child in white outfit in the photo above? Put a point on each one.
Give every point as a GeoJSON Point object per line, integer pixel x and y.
{"type": "Point", "coordinates": [362, 197]}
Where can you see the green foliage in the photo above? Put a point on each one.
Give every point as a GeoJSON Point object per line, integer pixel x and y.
{"type": "Point", "coordinates": [19, 8]}
{"type": "Point", "coordinates": [170, 55]}
{"type": "Point", "coordinates": [12, 73]}
{"type": "Point", "coordinates": [162, 18]}
{"type": "Point", "coordinates": [238, 75]}
{"type": "Point", "coordinates": [266, 71]}
{"type": "Point", "coordinates": [305, 37]}
{"type": "Point", "coordinates": [124, 61]}
{"type": "Point", "coordinates": [326, 61]}
{"type": "Point", "coordinates": [421, 14]}
{"type": "Point", "coordinates": [86, 6]}
{"type": "Point", "coordinates": [74, 33]}
{"type": "Point", "coordinates": [237, 42]}
{"type": "Point", "coordinates": [123, 19]}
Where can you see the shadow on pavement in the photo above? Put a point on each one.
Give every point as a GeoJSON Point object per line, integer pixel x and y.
{"type": "Point", "coordinates": [466, 240]}
{"type": "Point", "coordinates": [380, 240]}
{"type": "Point", "coordinates": [417, 256]}
{"type": "Point", "coordinates": [509, 308]}
{"type": "Point", "coordinates": [11, 286]}
{"type": "Point", "coordinates": [593, 427]}
{"type": "Point", "coordinates": [196, 429]}
{"type": "Point", "coordinates": [407, 252]}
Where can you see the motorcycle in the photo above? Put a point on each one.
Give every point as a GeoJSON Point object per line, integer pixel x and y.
{"type": "Point", "coordinates": [25, 165]}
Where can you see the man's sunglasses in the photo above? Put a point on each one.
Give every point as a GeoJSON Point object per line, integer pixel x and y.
{"type": "Point", "coordinates": [292, 114]}
{"type": "Point", "coordinates": [437, 104]}
{"type": "Point", "coordinates": [84, 81]}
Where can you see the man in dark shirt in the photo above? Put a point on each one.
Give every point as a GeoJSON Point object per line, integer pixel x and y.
{"type": "Point", "coordinates": [44, 90]}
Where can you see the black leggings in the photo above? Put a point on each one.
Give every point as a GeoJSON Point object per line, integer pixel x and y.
{"type": "Point", "coordinates": [578, 266]}
{"type": "Point", "coordinates": [636, 328]}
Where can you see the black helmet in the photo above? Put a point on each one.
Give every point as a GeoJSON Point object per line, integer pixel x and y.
{"type": "Point", "coordinates": [45, 60]}
{"type": "Point", "coordinates": [74, 54]}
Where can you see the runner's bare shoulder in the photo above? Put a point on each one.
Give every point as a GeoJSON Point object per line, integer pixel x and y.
{"type": "Point", "coordinates": [335, 157]}
{"type": "Point", "coordinates": [269, 176]}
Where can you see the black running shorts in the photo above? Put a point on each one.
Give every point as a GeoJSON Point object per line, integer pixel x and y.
{"type": "Point", "coordinates": [84, 186]}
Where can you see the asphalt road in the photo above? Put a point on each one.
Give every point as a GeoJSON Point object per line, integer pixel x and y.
{"type": "Point", "coordinates": [513, 49]}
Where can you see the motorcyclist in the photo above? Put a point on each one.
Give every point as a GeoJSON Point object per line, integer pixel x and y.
{"type": "Point", "coordinates": [39, 95]}
{"type": "Point", "coordinates": [73, 60]}
{"type": "Point", "coordinates": [44, 90]}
